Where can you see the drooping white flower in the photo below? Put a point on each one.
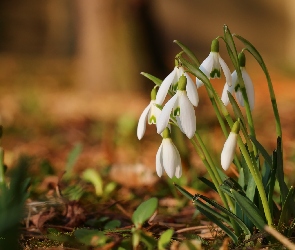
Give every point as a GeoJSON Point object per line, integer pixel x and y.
{"type": "Point", "coordinates": [168, 157]}
{"type": "Point", "coordinates": [229, 148]}
{"type": "Point", "coordinates": [236, 86]}
{"type": "Point", "coordinates": [212, 64]}
{"type": "Point", "coordinates": [149, 114]}
{"type": "Point", "coordinates": [182, 109]}
{"type": "Point", "coordinates": [171, 80]}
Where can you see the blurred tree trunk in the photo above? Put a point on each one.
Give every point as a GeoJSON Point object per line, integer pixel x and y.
{"type": "Point", "coordinates": [105, 58]}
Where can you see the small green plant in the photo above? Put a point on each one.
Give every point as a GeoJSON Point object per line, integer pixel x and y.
{"type": "Point", "coordinates": [248, 200]}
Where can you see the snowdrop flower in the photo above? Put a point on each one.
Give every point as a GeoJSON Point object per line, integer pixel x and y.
{"type": "Point", "coordinates": [211, 65]}
{"type": "Point", "coordinates": [182, 108]}
{"type": "Point", "coordinates": [171, 80]}
{"type": "Point", "coordinates": [229, 148]}
{"type": "Point", "coordinates": [168, 157]}
{"type": "Point", "coordinates": [150, 113]}
{"type": "Point", "coordinates": [236, 86]}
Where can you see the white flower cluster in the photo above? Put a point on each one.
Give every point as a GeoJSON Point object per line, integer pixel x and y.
{"type": "Point", "coordinates": [179, 109]}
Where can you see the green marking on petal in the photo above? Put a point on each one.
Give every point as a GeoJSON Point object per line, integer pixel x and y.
{"type": "Point", "coordinates": [176, 112]}
{"type": "Point", "coordinates": [237, 87]}
{"type": "Point", "coordinates": [152, 120]}
{"type": "Point", "coordinates": [182, 83]}
{"type": "Point", "coordinates": [215, 73]}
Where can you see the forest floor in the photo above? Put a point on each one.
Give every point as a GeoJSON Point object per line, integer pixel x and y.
{"type": "Point", "coordinates": [45, 117]}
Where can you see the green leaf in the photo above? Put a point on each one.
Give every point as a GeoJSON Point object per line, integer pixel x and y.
{"type": "Point", "coordinates": [280, 171]}
{"type": "Point", "coordinates": [249, 208]}
{"type": "Point", "coordinates": [72, 159]}
{"type": "Point", "coordinates": [253, 51]}
{"type": "Point", "coordinates": [272, 181]}
{"type": "Point", "coordinates": [144, 211]}
{"type": "Point", "coordinates": [262, 150]}
{"type": "Point", "coordinates": [287, 208]}
{"type": "Point", "coordinates": [149, 241]}
{"type": "Point", "coordinates": [90, 237]}
{"type": "Point", "coordinates": [93, 177]}
{"type": "Point", "coordinates": [189, 53]}
{"type": "Point", "coordinates": [215, 220]}
{"type": "Point", "coordinates": [208, 183]}
{"type": "Point", "coordinates": [199, 204]}
{"type": "Point", "coordinates": [184, 192]}
{"type": "Point", "coordinates": [154, 79]}
{"type": "Point", "coordinates": [230, 45]}
{"type": "Point", "coordinates": [228, 213]}
{"type": "Point", "coordinates": [112, 224]}
{"type": "Point", "coordinates": [165, 239]}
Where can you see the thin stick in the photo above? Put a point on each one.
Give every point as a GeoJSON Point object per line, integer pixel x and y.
{"type": "Point", "coordinates": [281, 238]}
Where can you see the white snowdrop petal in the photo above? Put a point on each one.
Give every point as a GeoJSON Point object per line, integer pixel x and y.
{"type": "Point", "coordinates": [228, 152]}
{"type": "Point", "coordinates": [215, 65]}
{"type": "Point", "coordinates": [226, 89]}
{"type": "Point", "coordinates": [187, 115]}
{"type": "Point", "coordinates": [169, 157]}
{"type": "Point", "coordinates": [207, 64]}
{"type": "Point", "coordinates": [180, 72]}
{"type": "Point", "coordinates": [249, 88]}
{"type": "Point", "coordinates": [179, 124]}
{"type": "Point", "coordinates": [226, 71]}
{"type": "Point", "coordinates": [154, 112]}
{"type": "Point", "coordinates": [163, 90]}
{"type": "Point", "coordinates": [159, 161]}
{"type": "Point", "coordinates": [164, 117]}
{"type": "Point", "coordinates": [240, 98]}
{"type": "Point", "coordinates": [205, 67]}
{"type": "Point", "coordinates": [178, 170]}
{"type": "Point", "coordinates": [191, 91]}
{"type": "Point", "coordinates": [142, 122]}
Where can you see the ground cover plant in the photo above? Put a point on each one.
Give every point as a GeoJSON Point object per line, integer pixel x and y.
{"type": "Point", "coordinates": [252, 209]}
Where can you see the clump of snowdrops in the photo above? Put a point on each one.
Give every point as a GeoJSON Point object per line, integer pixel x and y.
{"type": "Point", "coordinates": [248, 200]}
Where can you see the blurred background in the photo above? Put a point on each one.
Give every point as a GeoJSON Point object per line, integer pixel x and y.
{"type": "Point", "coordinates": [70, 73]}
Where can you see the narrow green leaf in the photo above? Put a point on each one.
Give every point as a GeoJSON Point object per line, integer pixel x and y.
{"type": "Point", "coordinates": [253, 51]}
{"type": "Point", "coordinates": [90, 237]}
{"type": "Point", "coordinates": [188, 52]}
{"type": "Point", "coordinates": [149, 241]}
{"type": "Point", "coordinates": [228, 213]}
{"type": "Point", "coordinates": [280, 171]}
{"type": "Point", "coordinates": [72, 159]}
{"type": "Point", "coordinates": [144, 211]}
{"type": "Point", "coordinates": [194, 70]}
{"type": "Point", "coordinates": [287, 210]}
{"type": "Point", "coordinates": [184, 192]}
{"type": "Point", "coordinates": [251, 188]}
{"type": "Point", "coordinates": [165, 239]}
{"type": "Point", "coordinates": [208, 183]}
{"type": "Point", "coordinates": [154, 79]}
{"type": "Point", "coordinates": [215, 220]}
{"type": "Point", "coordinates": [230, 45]}
{"type": "Point", "coordinates": [259, 59]}
{"type": "Point", "coordinates": [249, 208]}
{"type": "Point", "coordinates": [92, 176]}
{"type": "Point", "coordinates": [199, 204]}
{"type": "Point", "coordinates": [266, 174]}
{"type": "Point", "coordinates": [241, 179]}
{"type": "Point", "coordinates": [272, 180]}
{"type": "Point", "coordinates": [262, 150]}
